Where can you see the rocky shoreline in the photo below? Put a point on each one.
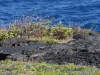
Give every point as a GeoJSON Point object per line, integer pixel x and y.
{"type": "Point", "coordinates": [84, 50]}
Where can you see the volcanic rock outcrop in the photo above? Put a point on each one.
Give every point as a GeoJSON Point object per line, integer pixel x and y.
{"type": "Point", "coordinates": [84, 50]}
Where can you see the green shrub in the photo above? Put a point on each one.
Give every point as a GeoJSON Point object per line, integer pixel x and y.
{"type": "Point", "coordinates": [3, 35]}
{"type": "Point", "coordinates": [15, 31]}
{"type": "Point", "coordinates": [61, 32]}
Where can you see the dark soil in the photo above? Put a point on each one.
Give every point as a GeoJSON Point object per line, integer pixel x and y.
{"type": "Point", "coordinates": [84, 50]}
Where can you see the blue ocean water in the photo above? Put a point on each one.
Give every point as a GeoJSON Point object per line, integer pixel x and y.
{"type": "Point", "coordinates": [78, 12]}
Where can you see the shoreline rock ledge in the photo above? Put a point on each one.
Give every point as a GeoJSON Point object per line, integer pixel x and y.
{"type": "Point", "coordinates": [83, 50]}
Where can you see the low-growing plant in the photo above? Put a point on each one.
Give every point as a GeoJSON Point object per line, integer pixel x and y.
{"type": "Point", "coordinates": [28, 68]}
{"type": "Point", "coordinates": [86, 31]}
{"type": "Point", "coordinates": [48, 40]}
{"type": "Point", "coordinates": [61, 32]}
{"type": "Point", "coordinates": [15, 31]}
{"type": "Point", "coordinates": [45, 40]}
{"type": "Point", "coordinates": [4, 35]}
{"type": "Point", "coordinates": [78, 29]}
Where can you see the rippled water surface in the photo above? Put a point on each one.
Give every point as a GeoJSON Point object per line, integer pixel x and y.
{"type": "Point", "coordinates": [85, 12]}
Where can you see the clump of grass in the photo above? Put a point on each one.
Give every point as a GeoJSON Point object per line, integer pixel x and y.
{"type": "Point", "coordinates": [48, 40]}
{"type": "Point", "coordinates": [9, 67]}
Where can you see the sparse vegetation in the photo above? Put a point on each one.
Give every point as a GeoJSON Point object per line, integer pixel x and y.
{"type": "Point", "coordinates": [9, 67]}
{"type": "Point", "coordinates": [39, 30]}
{"type": "Point", "coordinates": [78, 29]}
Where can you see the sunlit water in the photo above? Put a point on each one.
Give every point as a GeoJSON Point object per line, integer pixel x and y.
{"type": "Point", "coordinates": [76, 12]}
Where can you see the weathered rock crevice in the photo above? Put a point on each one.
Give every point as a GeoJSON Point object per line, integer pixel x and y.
{"type": "Point", "coordinates": [3, 56]}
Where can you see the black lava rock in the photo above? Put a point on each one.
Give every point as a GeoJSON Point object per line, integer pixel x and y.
{"type": "Point", "coordinates": [84, 50]}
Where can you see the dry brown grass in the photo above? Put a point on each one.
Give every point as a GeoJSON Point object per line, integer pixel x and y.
{"type": "Point", "coordinates": [64, 41]}
{"type": "Point", "coordinates": [28, 73]}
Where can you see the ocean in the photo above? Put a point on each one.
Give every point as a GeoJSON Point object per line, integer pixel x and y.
{"type": "Point", "coordinates": [85, 13]}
